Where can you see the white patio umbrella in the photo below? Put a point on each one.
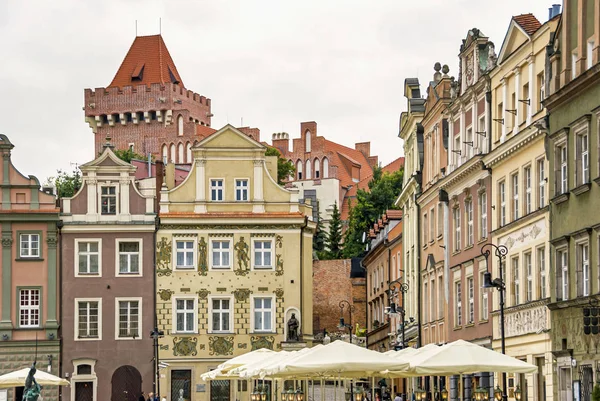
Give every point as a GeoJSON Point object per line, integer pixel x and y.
{"type": "Point", "coordinates": [414, 358]}
{"type": "Point", "coordinates": [18, 377]}
{"type": "Point", "coordinates": [339, 359]}
{"type": "Point", "coordinates": [463, 357]}
{"type": "Point", "coordinates": [268, 366]}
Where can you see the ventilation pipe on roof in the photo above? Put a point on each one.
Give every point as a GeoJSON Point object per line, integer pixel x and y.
{"type": "Point", "coordinates": [553, 11]}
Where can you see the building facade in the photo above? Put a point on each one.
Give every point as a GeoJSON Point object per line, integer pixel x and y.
{"type": "Point", "coordinates": [572, 149]}
{"type": "Point", "coordinates": [147, 108]}
{"type": "Point", "coordinates": [520, 219]}
{"type": "Point", "coordinates": [234, 266]}
{"type": "Point", "coordinates": [29, 290]}
{"type": "Point", "coordinates": [107, 284]}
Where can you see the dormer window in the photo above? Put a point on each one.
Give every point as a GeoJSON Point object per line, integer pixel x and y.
{"type": "Point", "coordinates": [108, 200]}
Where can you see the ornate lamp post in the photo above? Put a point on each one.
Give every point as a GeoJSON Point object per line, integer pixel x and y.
{"type": "Point", "coordinates": [403, 288]}
{"type": "Point", "coordinates": [155, 335]}
{"type": "Point", "coordinates": [345, 304]}
{"type": "Point", "coordinates": [500, 252]}
{"type": "Point", "coordinates": [444, 393]}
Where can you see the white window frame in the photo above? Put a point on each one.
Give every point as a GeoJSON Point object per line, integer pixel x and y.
{"type": "Point", "coordinates": [468, 149]}
{"type": "Point", "coordinates": [194, 242]}
{"type": "Point", "coordinates": [273, 313]}
{"type": "Point", "coordinates": [528, 270]}
{"type": "Point", "coordinates": [29, 308]}
{"type": "Point", "coordinates": [231, 300]}
{"type": "Point", "coordinates": [574, 58]}
{"type": "Point", "coordinates": [76, 258]}
{"type": "Point", "coordinates": [29, 254]}
{"type": "Point", "coordinates": [562, 260]}
{"type": "Point", "coordinates": [583, 258]}
{"type": "Point", "coordinates": [469, 216]}
{"type": "Point", "coordinates": [456, 156]}
{"type": "Point", "coordinates": [562, 159]}
{"type": "Point", "coordinates": [426, 303]}
{"type": "Point", "coordinates": [482, 128]}
{"type": "Point", "coordinates": [458, 304]}
{"type": "Point", "coordinates": [590, 53]}
{"type": "Point", "coordinates": [483, 222]}
{"type": "Point", "coordinates": [214, 187]}
{"type": "Point", "coordinates": [541, 172]}
{"type": "Point", "coordinates": [116, 198]}
{"type": "Point", "coordinates": [471, 295]}
{"type": "Point", "coordinates": [432, 224]}
{"type": "Point", "coordinates": [139, 336]}
{"type": "Point", "coordinates": [502, 201]}
{"type": "Point", "coordinates": [140, 243]}
{"type": "Point", "coordinates": [440, 220]}
{"type": "Point", "coordinates": [457, 229]}
{"type": "Point", "coordinates": [514, 178]}
{"type": "Point", "coordinates": [484, 307]}
{"type": "Point", "coordinates": [528, 190]}
{"type": "Point", "coordinates": [515, 270]}
{"type": "Point", "coordinates": [582, 156]}
{"type": "Point", "coordinates": [271, 251]}
{"type": "Point", "coordinates": [425, 229]}
{"type": "Point", "coordinates": [212, 249]}
{"type": "Point", "coordinates": [76, 320]}
{"type": "Point", "coordinates": [175, 310]}
{"type": "Point", "coordinates": [242, 188]}
{"type": "Point", "coordinates": [541, 268]}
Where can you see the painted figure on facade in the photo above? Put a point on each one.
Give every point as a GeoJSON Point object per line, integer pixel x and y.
{"type": "Point", "coordinates": [293, 325]}
{"type": "Point", "coordinates": [32, 389]}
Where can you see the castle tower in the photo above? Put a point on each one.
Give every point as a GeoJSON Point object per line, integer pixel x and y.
{"type": "Point", "coordinates": [147, 107]}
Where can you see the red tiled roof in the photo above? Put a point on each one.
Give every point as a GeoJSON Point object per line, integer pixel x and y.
{"type": "Point", "coordinates": [203, 131]}
{"type": "Point", "coordinates": [147, 62]}
{"type": "Point", "coordinates": [394, 214]}
{"type": "Point", "coordinates": [528, 22]}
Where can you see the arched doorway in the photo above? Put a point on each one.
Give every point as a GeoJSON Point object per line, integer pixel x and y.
{"type": "Point", "coordinates": [126, 384]}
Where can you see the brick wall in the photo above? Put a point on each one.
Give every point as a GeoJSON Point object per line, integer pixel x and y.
{"type": "Point", "coordinates": [332, 284]}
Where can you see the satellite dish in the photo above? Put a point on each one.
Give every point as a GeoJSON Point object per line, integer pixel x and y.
{"type": "Point", "coordinates": [364, 237]}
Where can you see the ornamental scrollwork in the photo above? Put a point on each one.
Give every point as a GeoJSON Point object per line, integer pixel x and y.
{"type": "Point", "coordinates": [220, 345]}
{"type": "Point", "coordinates": [185, 346]}
{"type": "Point", "coordinates": [241, 248]}
{"type": "Point", "coordinates": [203, 294]}
{"type": "Point", "coordinates": [233, 227]}
{"type": "Point", "coordinates": [278, 256]}
{"type": "Point", "coordinates": [163, 257]}
{"type": "Point", "coordinates": [279, 293]}
{"type": "Point", "coordinates": [242, 294]}
{"type": "Point", "coordinates": [7, 242]}
{"type": "Point", "coordinates": [202, 257]}
{"type": "Point", "coordinates": [262, 342]}
{"type": "Point", "coordinates": [165, 295]}
{"type": "Point", "coordinates": [52, 242]}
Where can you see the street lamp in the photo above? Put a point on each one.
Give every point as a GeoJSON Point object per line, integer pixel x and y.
{"type": "Point", "coordinates": [345, 304]}
{"type": "Point", "coordinates": [299, 395]}
{"type": "Point", "coordinates": [498, 393]}
{"type": "Point", "coordinates": [481, 394]}
{"type": "Point", "coordinates": [420, 394]}
{"type": "Point", "coordinates": [394, 309]}
{"type": "Point", "coordinates": [518, 393]}
{"type": "Point", "coordinates": [444, 393]}
{"type": "Point", "coordinates": [155, 335]}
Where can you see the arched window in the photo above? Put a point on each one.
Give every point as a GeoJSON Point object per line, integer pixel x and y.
{"type": "Point", "coordinates": [317, 168]}
{"type": "Point", "coordinates": [188, 148]}
{"type": "Point", "coordinates": [308, 170]}
{"type": "Point", "coordinates": [307, 141]}
{"type": "Point", "coordinates": [299, 169]}
{"type": "Point", "coordinates": [325, 167]}
{"type": "Point", "coordinates": [172, 153]}
{"type": "Point", "coordinates": [180, 125]}
{"type": "Point", "coordinates": [180, 153]}
{"type": "Point", "coordinates": [165, 153]}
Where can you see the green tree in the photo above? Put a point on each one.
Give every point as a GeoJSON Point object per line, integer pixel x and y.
{"type": "Point", "coordinates": [285, 168]}
{"type": "Point", "coordinates": [67, 184]}
{"type": "Point", "coordinates": [596, 392]}
{"type": "Point", "coordinates": [334, 236]}
{"type": "Point", "coordinates": [128, 155]}
{"type": "Point", "coordinates": [384, 188]}
{"type": "Point", "coordinates": [320, 238]}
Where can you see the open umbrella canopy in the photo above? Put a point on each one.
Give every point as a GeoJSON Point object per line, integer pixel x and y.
{"type": "Point", "coordinates": [270, 365]}
{"type": "Point", "coordinates": [413, 357]}
{"type": "Point", "coordinates": [17, 378]}
{"type": "Point", "coordinates": [338, 358]}
{"type": "Point", "coordinates": [463, 357]}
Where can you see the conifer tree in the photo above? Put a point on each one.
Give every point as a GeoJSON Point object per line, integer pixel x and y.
{"type": "Point", "coordinates": [334, 237]}
{"type": "Point", "coordinates": [320, 238]}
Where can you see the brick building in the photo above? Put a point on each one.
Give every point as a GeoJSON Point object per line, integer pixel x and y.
{"type": "Point", "coordinates": [147, 107]}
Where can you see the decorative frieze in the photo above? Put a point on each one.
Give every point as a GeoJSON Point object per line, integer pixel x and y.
{"type": "Point", "coordinates": [242, 294]}
{"type": "Point", "coordinates": [220, 345]}
{"type": "Point", "coordinates": [163, 257]}
{"type": "Point", "coordinates": [259, 342]}
{"type": "Point", "coordinates": [202, 257]}
{"type": "Point", "coordinates": [241, 248]}
{"type": "Point", "coordinates": [278, 256]}
{"type": "Point", "coordinates": [185, 346]}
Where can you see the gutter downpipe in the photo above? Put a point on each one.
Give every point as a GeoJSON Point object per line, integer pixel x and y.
{"type": "Point", "coordinates": [419, 308]}
{"type": "Point", "coordinates": [302, 227]}
{"type": "Point", "coordinates": [59, 226]}
{"type": "Point", "coordinates": [156, 373]}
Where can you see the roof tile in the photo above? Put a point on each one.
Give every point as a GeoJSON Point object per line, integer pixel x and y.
{"type": "Point", "coordinates": [528, 22]}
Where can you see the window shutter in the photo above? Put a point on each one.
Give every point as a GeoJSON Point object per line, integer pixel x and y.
{"type": "Point", "coordinates": [558, 272]}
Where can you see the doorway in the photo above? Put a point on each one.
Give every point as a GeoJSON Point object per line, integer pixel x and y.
{"type": "Point", "coordinates": [84, 391]}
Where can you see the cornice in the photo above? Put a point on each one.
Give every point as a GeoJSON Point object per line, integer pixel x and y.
{"type": "Point", "coordinates": [575, 87]}
{"type": "Point", "coordinates": [515, 144]}
{"type": "Point", "coordinates": [407, 191]}
{"type": "Point", "coordinates": [473, 165]}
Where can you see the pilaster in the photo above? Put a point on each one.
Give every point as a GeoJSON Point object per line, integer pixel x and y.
{"type": "Point", "coordinates": [516, 106]}
{"type": "Point", "coordinates": [532, 83]}
{"type": "Point", "coordinates": [7, 243]}
{"type": "Point", "coordinates": [51, 323]}
{"type": "Point", "coordinates": [503, 117]}
{"type": "Point", "coordinates": [6, 181]}
{"type": "Point", "coordinates": [258, 200]}
{"type": "Point", "coordinates": [200, 206]}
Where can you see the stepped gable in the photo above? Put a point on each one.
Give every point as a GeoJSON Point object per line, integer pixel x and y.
{"type": "Point", "coordinates": [147, 62]}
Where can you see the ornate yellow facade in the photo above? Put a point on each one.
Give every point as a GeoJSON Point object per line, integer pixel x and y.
{"type": "Point", "coordinates": [234, 262]}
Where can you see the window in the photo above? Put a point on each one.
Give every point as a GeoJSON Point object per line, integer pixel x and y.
{"type": "Point", "coordinates": [502, 200]}
{"type": "Point", "coordinates": [469, 217]}
{"type": "Point", "coordinates": [307, 141]}
{"type": "Point", "coordinates": [541, 268]}
{"type": "Point", "coordinates": [425, 303]}
{"type": "Point", "coordinates": [308, 172]}
{"type": "Point", "coordinates": [88, 256]}
{"type": "Point", "coordinates": [527, 185]}
{"type": "Point", "coordinates": [563, 273]}
{"type": "Point", "coordinates": [582, 157]}
{"type": "Point", "coordinates": [469, 143]}
{"type": "Point", "coordinates": [221, 315]}
{"type": "Point", "coordinates": [216, 190]}
{"type": "Point", "coordinates": [172, 152]}
{"type": "Point", "coordinates": [484, 300]}
{"type": "Point", "coordinates": [480, 134]}
{"type": "Point", "coordinates": [129, 312]}
{"type": "Point", "coordinates": [542, 90]}
{"type": "Point", "coordinates": [88, 319]}
{"type": "Point", "coordinates": [184, 254]}
{"type": "Point", "coordinates": [299, 168]}
{"type": "Point", "coordinates": [263, 252]}
{"type": "Point", "coordinates": [516, 281]}
{"type": "Point", "coordinates": [263, 314]}
{"type": "Point", "coordinates": [524, 106]}
{"type": "Point", "coordinates": [483, 216]}
{"type": "Point", "coordinates": [471, 289]}
{"type": "Point", "coordinates": [590, 54]}
{"type": "Point", "coordinates": [562, 185]}
{"type": "Point", "coordinates": [500, 119]}
{"type": "Point", "coordinates": [325, 167]}
{"type": "Point", "coordinates": [529, 271]}
{"type": "Point", "coordinates": [583, 274]}
{"type": "Point", "coordinates": [29, 245]}
{"type": "Point", "coordinates": [573, 65]}
{"type": "Point", "coordinates": [180, 125]}
{"type": "Point", "coordinates": [456, 218]}
{"type": "Point", "coordinates": [458, 303]}
{"type": "Point", "coordinates": [108, 200]}
{"type": "Point", "coordinates": [129, 257]}
{"type": "Point", "coordinates": [220, 254]}
{"type": "Point", "coordinates": [440, 220]}
{"type": "Point", "coordinates": [317, 168]}
{"type": "Point", "coordinates": [188, 152]}
{"type": "Point", "coordinates": [432, 224]}
{"type": "Point", "coordinates": [513, 115]}
{"type": "Point", "coordinates": [515, 194]}
{"type": "Point", "coordinates": [541, 172]}
{"type": "Point", "coordinates": [29, 308]}
{"type": "Point", "coordinates": [440, 298]}
{"type": "Point", "coordinates": [180, 153]}
{"type": "Point", "coordinates": [241, 190]}
{"type": "Point", "coordinates": [185, 315]}
{"type": "Point", "coordinates": [425, 231]}
{"type": "Point", "coordinates": [456, 151]}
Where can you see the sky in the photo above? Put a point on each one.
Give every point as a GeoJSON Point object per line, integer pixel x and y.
{"type": "Point", "coordinates": [270, 64]}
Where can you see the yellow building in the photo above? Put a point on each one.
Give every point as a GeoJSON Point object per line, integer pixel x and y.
{"type": "Point", "coordinates": [233, 265]}
{"type": "Point", "coordinates": [520, 203]}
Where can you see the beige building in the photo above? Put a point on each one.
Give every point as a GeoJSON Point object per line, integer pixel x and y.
{"type": "Point", "coordinates": [520, 203]}
{"type": "Point", "coordinates": [234, 266]}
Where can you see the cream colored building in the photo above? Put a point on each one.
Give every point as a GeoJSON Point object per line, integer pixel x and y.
{"type": "Point", "coordinates": [520, 203]}
{"type": "Point", "coordinates": [234, 263]}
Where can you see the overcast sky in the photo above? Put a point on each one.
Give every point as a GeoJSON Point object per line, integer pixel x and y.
{"type": "Point", "coordinates": [273, 63]}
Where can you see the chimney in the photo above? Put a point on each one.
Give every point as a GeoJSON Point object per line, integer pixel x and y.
{"type": "Point", "coordinates": [160, 172]}
{"type": "Point", "coordinates": [364, 148]}
{"type": "Point", "coordinates": [253, 133]}
{"type": "Point", "coordinates": [554, 11]}
{"type": "Point", "coordinates": [281, 141]}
